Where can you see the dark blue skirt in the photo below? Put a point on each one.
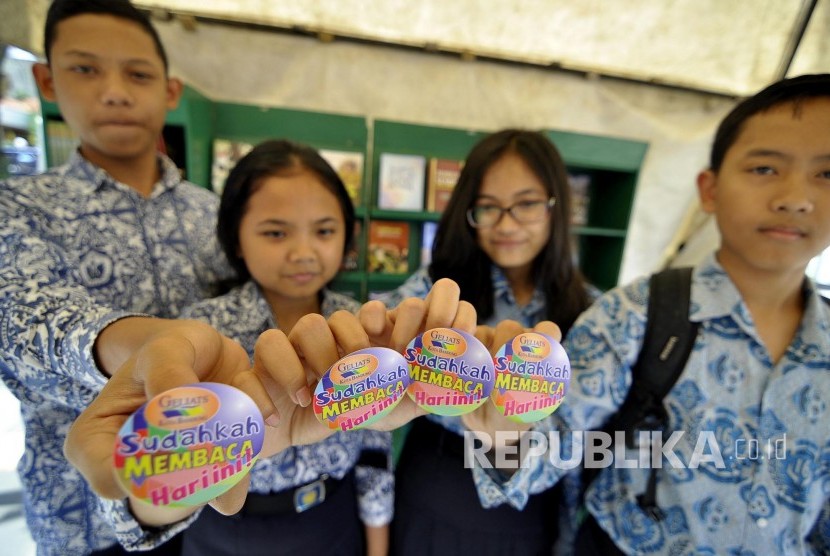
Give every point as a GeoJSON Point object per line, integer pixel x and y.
{"type": "Point", "coordinates": [437, 509]}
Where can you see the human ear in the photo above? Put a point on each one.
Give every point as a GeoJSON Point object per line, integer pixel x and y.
{"type": "Point", "coordinates": [174, 92]}
{"type": "Point", "coordinates": [45, 81]}
{"type": "Point", "coordinates": [707, 182]}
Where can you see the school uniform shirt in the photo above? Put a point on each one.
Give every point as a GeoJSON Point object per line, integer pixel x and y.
{"type": "Point", "coordinates": [769, 489]}
{"type": "Point", "coordinates": [79, 250]}
{"type": "Point", "coordinates": [243, 314]}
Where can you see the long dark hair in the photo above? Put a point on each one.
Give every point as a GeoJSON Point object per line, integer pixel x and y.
{"type": "Point", "coordinates": [272, 158]}
{"type": "Point", "coordinates": [457, 255]}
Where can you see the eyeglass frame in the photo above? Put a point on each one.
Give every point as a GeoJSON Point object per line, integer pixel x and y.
{"type": "Point", "coordinates": [507, 210]}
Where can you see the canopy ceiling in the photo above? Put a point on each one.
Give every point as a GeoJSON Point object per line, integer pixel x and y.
{"type": "Point", "coordinates": [729, 47]}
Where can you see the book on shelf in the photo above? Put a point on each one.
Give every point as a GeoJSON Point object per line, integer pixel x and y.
{"type": "Point", "coordinates": [427, 239]}
{"type": "Point", "coordinates": [226, 154]}
{"type": "Point", "coordinates": [580, 185]}
{"type": "Point", "coordinates": [349, 166]}
{"type": "Point", "coordinates": [441, 179]}
{"type": "Point", "coordinates": [351, 260]}
{"type": "Point", "coordinates": [387, 247]}
{"type": "Point", "coordinates": [401, 182]}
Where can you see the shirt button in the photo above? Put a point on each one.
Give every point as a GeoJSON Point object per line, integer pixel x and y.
{"type": "Point", "coordinates": [762, 522]}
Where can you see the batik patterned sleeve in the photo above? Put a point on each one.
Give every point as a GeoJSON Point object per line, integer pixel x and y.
{"type": "Point", "coordinates": [375, 485]}
{"type": "Point", "coordinates": [48, 320]}
{"type": "Point", "coordinates": [602, 345]}
{"type": "Point", "coordinates": [130, 532]}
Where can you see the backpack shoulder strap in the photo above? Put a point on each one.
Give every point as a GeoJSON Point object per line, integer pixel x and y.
{"type": "Point", "coordinates": [667, 343]}
{"type": "Point", "coordinates": [669, 336]}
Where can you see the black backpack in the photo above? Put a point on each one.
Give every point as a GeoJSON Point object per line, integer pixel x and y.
{"type": "Point", "coordinates": [668, 340]}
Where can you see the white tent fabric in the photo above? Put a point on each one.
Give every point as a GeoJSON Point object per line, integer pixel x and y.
{"type": "Point", "coordinates": [728, 46]}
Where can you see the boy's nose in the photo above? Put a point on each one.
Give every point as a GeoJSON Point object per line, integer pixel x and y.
{"type": "Point", "coordinates": [794, 196]}
{"type": "Point", "coordinates": [116, 93]}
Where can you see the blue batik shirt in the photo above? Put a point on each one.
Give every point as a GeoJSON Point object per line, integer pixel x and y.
{"type": "Point", "coordinates": [768, 493]}
{"type": "Point", "coordinates": [79, 250]}
{"type": "Point", "coordinates": [243, 314]}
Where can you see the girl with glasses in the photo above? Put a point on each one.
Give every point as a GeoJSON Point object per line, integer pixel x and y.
{"type": "Point", "coordinates": [505, 239]}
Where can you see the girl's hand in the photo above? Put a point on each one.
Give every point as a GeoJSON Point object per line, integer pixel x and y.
{"type": "Point", "coordinates": [486, 421]}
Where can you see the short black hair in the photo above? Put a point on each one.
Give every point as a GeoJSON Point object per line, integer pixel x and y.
{"type": "Point", "coordinates": [61, 10]}
{"type": "Point", "coordinates": [794, 90]}
{"type": "Point", "coordinates": [272, 158]}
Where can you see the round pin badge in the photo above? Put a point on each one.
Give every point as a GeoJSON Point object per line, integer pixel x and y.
{"type": "Point", "coordinates": [188, 445]}
{"type": "Point", "coordinates": [532, 376]}
{"type": "Point", "coordinates": [451, 371]}
{"type": "Point", "coordinates": [360, 388]}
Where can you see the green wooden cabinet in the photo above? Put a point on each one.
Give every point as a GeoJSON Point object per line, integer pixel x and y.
{"type": "Point", "coordinates": [613, 166]}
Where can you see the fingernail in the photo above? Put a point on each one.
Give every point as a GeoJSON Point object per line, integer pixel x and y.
{"type": "Point", "coordinates": [303, 396]}
{"type": "Point", "coordinates": [272, 420]}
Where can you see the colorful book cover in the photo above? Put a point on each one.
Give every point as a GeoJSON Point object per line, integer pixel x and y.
{"type": "Point", "coordinates": [388, 247]}
{"type": "Point", "coordinates": [442, 177]}
{"type": "Point", "coordinates": [349, 166]}
{"type": "Point", "coordinates": [226, 154]}
{"type": "Point", "coordinates": [401, 182]}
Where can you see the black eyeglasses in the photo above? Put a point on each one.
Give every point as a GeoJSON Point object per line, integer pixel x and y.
{"type": "Point", "coordinates": [486, 215]}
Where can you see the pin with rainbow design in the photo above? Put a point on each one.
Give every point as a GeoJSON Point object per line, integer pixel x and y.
{"type": "Point", "coordinates": [451, 371]}
{"type": "Point", "coordinates": [360, 388]}
{"type": "Point", "coordinates": [188, 445]}
{"type": "Point", "coordinates": [532, 376]}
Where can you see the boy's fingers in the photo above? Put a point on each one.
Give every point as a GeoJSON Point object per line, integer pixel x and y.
{"type": "Point", "coordinates": [164, 363]}
{"type": "Point", "coordinates": [90, 442]}
{"type": "Point", "coordinates": [89, 448]}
